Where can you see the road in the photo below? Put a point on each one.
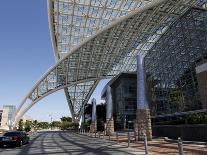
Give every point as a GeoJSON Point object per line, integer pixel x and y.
{"type": "Point", "coordinates": [68, 143]}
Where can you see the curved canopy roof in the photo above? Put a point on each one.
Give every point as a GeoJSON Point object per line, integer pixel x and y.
{"type": "Point", "coordinates": [73, 21]}
{"type": "Point", "coordinates": [109, 51]}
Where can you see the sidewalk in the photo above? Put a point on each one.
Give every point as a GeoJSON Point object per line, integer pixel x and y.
{"type": "Point", "coordinates": [159, 146]}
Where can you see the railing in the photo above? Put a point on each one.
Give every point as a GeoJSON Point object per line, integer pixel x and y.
{"type": "Point", "coordinates": [128, 137]}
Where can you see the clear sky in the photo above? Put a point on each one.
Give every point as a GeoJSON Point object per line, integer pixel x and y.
{"type": "Point", "coordinates": [26, 53]}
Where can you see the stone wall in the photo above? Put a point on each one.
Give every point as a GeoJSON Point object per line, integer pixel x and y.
{"type": "Point", "coordinates": [143, 124]}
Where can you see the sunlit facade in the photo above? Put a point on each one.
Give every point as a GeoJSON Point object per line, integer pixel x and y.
{"type": "Point", "coordinates": [173, 78]}
{"type": "Point", "coordinates": [95, 40]}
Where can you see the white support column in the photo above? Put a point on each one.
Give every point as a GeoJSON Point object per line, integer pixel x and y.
{"type": "Point", "coordinates": [93, 126]}
{"type": "Point", "coordinates": [109, 112]}
{"type": "Point", "coordinates": [142, 124]}
{"type": "Point", "coordinates": [83, 116]}
{"type": "Point", "coordinates": [141, 95]}
{"type": "Point", "coordinates": [109, 105]}
{"type": "Point", "coordinates": [82, 119]}
{"type": "Point", "coordinates": [93, 110]}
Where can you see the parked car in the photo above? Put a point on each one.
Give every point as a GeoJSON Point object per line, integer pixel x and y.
{"type": "Point", "coordinates": [1, 141]}
{"type": "Point", "coordinates": [14, 138]}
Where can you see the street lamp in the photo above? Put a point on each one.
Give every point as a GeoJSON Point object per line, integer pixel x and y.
{"type": "Point", "coordinates": [50, 121]}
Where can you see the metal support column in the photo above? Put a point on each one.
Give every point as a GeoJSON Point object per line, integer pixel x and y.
{"type": "Point", "coordinates": [143, 121]}
{"type": "Point", "coordinates": [93, 120]}
{"type": "Point", "coordinates": [109, 112]}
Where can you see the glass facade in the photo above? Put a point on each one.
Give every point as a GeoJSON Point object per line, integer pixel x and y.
{"type": "Point", "coordinates": [170, 65]}
{"type": "Point", "coordinates": [11, 112]}
{"type": "Point", "coordinates": [124, 101]}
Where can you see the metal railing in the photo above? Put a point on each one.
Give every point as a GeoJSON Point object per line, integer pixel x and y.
{"type": "Point", "coordinates": [129, 137]}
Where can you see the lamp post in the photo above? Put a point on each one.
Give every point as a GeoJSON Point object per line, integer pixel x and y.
{"type": "Point", "coordinates": [50, 121]}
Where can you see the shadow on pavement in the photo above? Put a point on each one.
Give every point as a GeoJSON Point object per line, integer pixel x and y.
{"type": "Point", "coordinates": [68, 143]}
{"type": "Point", "coordinates": [92, 145]}
{"type": "Point", "coordinates": [26, 149]}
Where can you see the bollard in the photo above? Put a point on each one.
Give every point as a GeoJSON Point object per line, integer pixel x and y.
{"type": "Point", "coordinates": [109, 137]}
{"type": "Point", "coordinates": [128, 135]}
{"type": "Point", "coordinates": [103, 135]}
{"type": "Point", "coordinates": [145, 144]}
{"type": "Point", "coordinates": [180, 146]}
{"type": "Point", "coordinates": [98, 134]}
{"type": "Point", "coordinates": [95, 134]}
{"type": "Point", "coordinates": [117, 138]}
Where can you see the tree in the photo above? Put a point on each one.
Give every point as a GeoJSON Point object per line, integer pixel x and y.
{"type": "Point", "coordinates": [55, 124]}
{"type": "Point", "coordinates": [101, 111]}
{"type": "Point", "coordinates": [75, 125]}
{"type": "Point", "coordinates": [27, 126]}
{"type": "Point", "coordinates": [65, 122]}
{"type": "Point", "coordinates": [43, 125]}
{"type": "Point", "coordinates": [88, 113]}
{"type": "Point", "coordinates": [101, 116]}
{"type": "Point", "coordinates": [64, 125]}
{"type": "Point", "coordinates": [66, 119]}
{"type": "Point", "coordinates": [35, 124]}
{"type": "Point", "coordinates": [21, 125]}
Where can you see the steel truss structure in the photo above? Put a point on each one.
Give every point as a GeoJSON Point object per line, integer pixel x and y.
{"type": "Point", "coordinates": [92, 42]}
{"type": "Point", "coordinates": [171, 65]}
{"type": "Point", "coordinates": [73, 23]}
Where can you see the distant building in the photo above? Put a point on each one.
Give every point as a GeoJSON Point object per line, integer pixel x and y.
{"type": "Point", "coordinates": [7, 115]}
{"type": "Point", "coordinates": [123, 89]}
{"type": "Point", "coordinates": [4, 119]}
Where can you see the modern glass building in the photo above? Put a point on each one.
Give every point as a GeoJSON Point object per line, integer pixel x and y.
{"type": "Point", "coordinates": [11, 113]}
{"type": "Point", "coordinates": [94, 40]}
{"type": "Point", "coordinates": [173, 80]}
{"type": "Point", "coordinates": [123, 89]}
{"type": "Point", "coordinates": [173, 84]}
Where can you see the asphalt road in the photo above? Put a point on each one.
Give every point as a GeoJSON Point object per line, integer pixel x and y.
{"type": "Point", "coordinates": [68, 143]}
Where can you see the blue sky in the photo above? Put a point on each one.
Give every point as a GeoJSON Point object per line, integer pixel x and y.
{"type": "Point", "coordinates": [26, 53]}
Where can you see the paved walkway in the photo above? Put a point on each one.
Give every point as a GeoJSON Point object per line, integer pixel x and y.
{"type": "Point", "coordinates": [159, 146]}
{"type": "Point", "coordinates": [69, 143]}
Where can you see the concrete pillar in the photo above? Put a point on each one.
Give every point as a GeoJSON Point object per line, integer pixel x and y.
{"type": "Point", "coordinates": [142, 124]}
{"type": "Point", "coordinates": [83, 119]}
{"type": "Point", "coordinates": [109, 112]}
{"type": "Point", "coordinates": [141, 95]}
{"type": "Point", "coordinates": [93, 125]}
